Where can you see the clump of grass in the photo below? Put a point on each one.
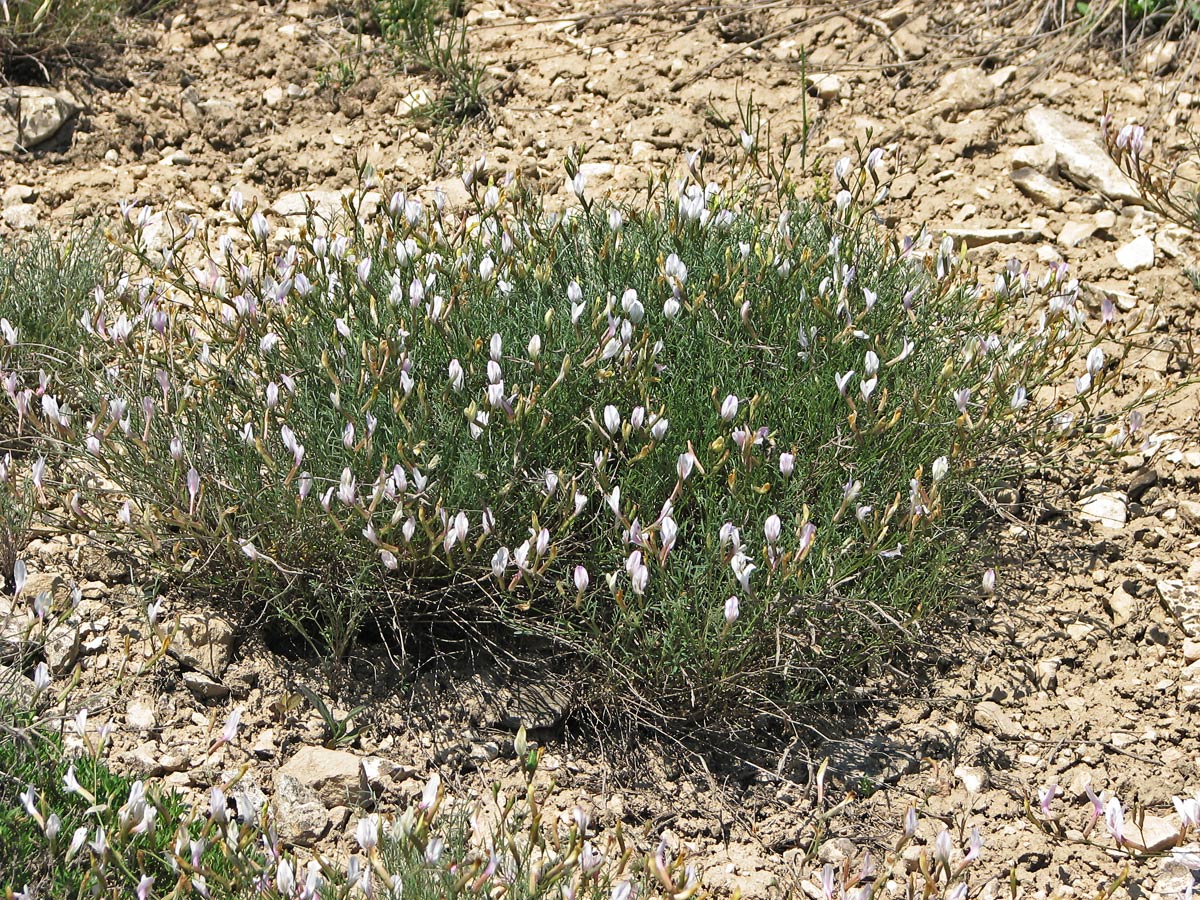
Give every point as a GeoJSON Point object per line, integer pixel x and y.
{"type": "Point", "coordinates": [431, 36]}
{"type": "Point", "coordinates": [38, 34]}
{"type": "Point", "coordinates": [726, 445]}
{"type": "Point", "coordinates": [47, 283]}
{"type": "Point", "coordinates": [1127, 24]}
{"type": "Point", "coordinates": [63, 817]}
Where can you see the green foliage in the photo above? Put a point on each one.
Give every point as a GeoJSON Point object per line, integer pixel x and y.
{"type": "Point", "coordinates": [338, 732]}
{"type": "Point", "coordinates": [31, 757]}
{"type": "Point", "coordinates": [1137, 18]}
{"type": "Point", "coordinates": [38, 33]}
{"type": "Point", "coordinates": [725, 444]}
{"type": "Point", "coordinates": [47, 283]}
{"type": "Point", "coordinates": [431, 36]}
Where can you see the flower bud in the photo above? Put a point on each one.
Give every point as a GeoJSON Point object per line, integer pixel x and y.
{"type": "Point", "coordinates": [729, 408]}
{"type": "Point", "coordinates": [733, 609]}
{"type": "Point", "coordinates": [787, 464]}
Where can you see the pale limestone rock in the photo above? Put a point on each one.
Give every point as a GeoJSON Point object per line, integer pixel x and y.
{"type": "Point", "coordinates": [1078, 153]}
{"type": "Point", "coordinates": [335, 776]}
{"type": "Point", "coordinates": [1136, 256]}
{"type": "Point", "coordinates": [203, 641]}
{"type": "Point", "coordinates": [1039, 188]}
{"type": "Point", "coordinates": [30, 116]}
{"type": "Point", "coordinates": [1075, 233]}
{"type": "Point", "coordinates": [300, 815]}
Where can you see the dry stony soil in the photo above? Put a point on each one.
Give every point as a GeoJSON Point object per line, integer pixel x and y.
{"type": "Point", "coordinates": [1082, 670]}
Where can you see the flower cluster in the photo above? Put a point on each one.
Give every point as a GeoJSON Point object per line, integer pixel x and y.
{"type": "Point", "coordinates": [706, 430]}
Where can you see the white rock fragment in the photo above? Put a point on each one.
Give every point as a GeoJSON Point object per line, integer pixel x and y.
{"type": "Point", "coordinates": [1075, 233]}
{"type": "Point", "coordinates": [1123, 607]}
{"type": "Point", "coordinates": [22, 217]}
{"type": "Point", "coordinates": [1078, 153]}
{"type": "Point", "coordinates": [973, 778]}
{"type": "Point", "coordinates": [1038, 187]}
{"type": "Point", "coordinates": [32, 115]}
{"type": "Point", "coordinates": [333, 775]}
{"type": "Point", "coordinates": [827, 87]}
{"type": "Point", "coordinates": [1182, 598]}
{"type": "Point", "coordinates": [1108, 509]}
{"type": "Point", "coordinates": [964, 89]}
{"type": "Point", "coordinates": [140, 715]}
{"type": "Point", "coordinates": [1137, 255]}
{"type": "Point", "coordinates": [1154, 835]}
{"type": "Point", "coordinates": [410, 103]}
{"type": "Point", "coordinates": [1189, 512]}
{"type": "Point", "coordinates": [991, 717]}
{"type": "Point", "coordinates": [1039, 157]}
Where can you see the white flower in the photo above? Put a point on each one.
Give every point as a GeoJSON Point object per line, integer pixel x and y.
{"type": "Point", "coordinates": [41, 677]}
{"type": "Point", "coordinates": [259, 227]}
{"type": "Point", "coordinates": [941, 466]}
{"type": "Point", "coordinates": [367, 833]}
{"type": "Point", "coordinates": [500, 562]}
{"type": "Point", "coordinates": [733, 609]}
{"type": "Point", "coordinates": [988, 583]}
{"type": "Point", "coordinates": [285, 879]}
{"type": "Point", "coordinates": [729, 408]}
{"type": "Point", "coordinates": [614, 500]}
{"type": "Point", "coordinates": [432, 790]}
{"type": "Point", "coordinates": [772, 529]}
{"type": "Point", "coordinates": [787, 464]}
{"type": "Point", "coordinates": [639, 579]}
{"type": "Point", "coordinates": [742, 569]}
{"type": "Point", "coordinates": [676, 270]}
{"type": "Point", "coordinates": [684, 465]}
{"type": "Point", "coordinates": [668, 530]}
{"type": "Point", "coordinates": [612, 419]}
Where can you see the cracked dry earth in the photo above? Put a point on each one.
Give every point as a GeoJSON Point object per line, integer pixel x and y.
{"type": "Point", "coordinates": [1082, 671]}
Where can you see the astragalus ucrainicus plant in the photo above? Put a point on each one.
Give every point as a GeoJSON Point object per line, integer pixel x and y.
{"type": "Point", "coordinates": [724, 443]}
